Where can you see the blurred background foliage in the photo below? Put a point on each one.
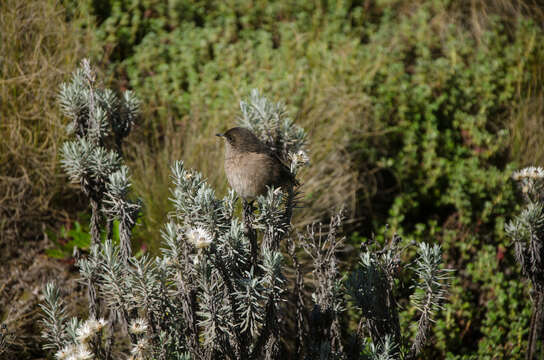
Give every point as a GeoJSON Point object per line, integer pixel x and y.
{"type": "Point", "coordinates": [39, 48]}
{"type": "Point", "coordinates": [417, 113]}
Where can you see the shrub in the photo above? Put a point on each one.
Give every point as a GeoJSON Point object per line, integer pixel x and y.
{"type": "Point", "coordinates": [215, 292]}
{"type": "Point", "coordinates": [527, 231]}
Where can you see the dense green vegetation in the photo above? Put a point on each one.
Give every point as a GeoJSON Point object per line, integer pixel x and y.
{"type": "Point", "coordinates": [417, 112]}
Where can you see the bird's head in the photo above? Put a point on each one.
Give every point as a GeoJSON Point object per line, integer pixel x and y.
{"type": "Point", "coordinates": [242, 139]}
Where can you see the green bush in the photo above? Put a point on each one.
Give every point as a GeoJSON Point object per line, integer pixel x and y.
{"type": "Point", "coordinates": [412, 108]}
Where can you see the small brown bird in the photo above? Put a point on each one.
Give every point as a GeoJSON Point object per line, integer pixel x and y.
{"type": "Point", "coordinates": [250, 166]}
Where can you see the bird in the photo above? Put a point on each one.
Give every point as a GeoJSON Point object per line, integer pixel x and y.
{"type": "Point", "coordinates": [250, 166]}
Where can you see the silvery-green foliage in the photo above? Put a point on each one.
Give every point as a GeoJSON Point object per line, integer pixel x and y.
{"type": "Point", "coordinates": [117, 205]}
{"type": "Point", "coordinates": [272, 270]}
{"type": "Point", "coordinates": [214, 309]}
{"type": "Point", "coordinates": [527, 229]}
{"type": "Point", "coordinates": [100, 119]}
{"type": "Point", "coordinates": [54, 326]}
{"type": "Point", "coordinates": [322, 245]}
{"type": "Point", "coordinates": [527, 233]}
{"type": "Point", "coordinates": [234, 248]}
{"type": "Point", "coordinates": [386, 350]}
{"type": "Point", "coordinates": [89, 266]}
{"type": "Point", "coordinates": [195, 203]}
{"type": "Point", "coordinates": [113, 282]}
{"type": "Point", "coordinates": [233, 294]}
{"type": "Point", "coordinates": [118, 187]}
{"type": "Point", "coordinates": [72, 100]}
{"type": "Point", "coordinates": [369, 285]}
{"type": "Point", "coordinates": [269, 121]}
{"type": "Point", "coordinates": [430, 290]}
{"type": "Point", "coordinates": [219, 289]}
{"type": "Point", "coordinates": [97, 115]}
{"type": "Point", "coordinates": [143, 279]}
{"type": "Point", "coordinates": [128, 114]}
{"type": "Point", "coordinates": [251, 298]}
{"type": "Point", "coordinates": [93, 111]}
{"type": "Point", "coordinates": [116, 202]}
{"type": "Point", "coordinates": [270, 218]}
{"type": "Point", "coordinates": [372, 288]}
{"type": "Point", "coordinates": [5, 338]}
{"type": "Point", "coordinates": [71, 328]}
{"type": "Point", "coordinates": [212, 294]}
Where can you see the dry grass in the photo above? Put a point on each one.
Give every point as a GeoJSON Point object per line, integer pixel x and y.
{"type": "Point", "coordinates": [479, 11]}
{"type": "Point", "coordinates": [38, 48]}
{"type": "Point", "coordinates": [21, 286]}
{"type": "Point", "coordinates": [527, 129]}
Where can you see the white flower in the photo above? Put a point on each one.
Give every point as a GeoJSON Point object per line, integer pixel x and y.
{"type": "Point", "coordinates": [531, 172]}
{"type": "Point", "coordinates": [138, 326]}
{"type": "Point", "coordinates": [65, 352]}
{"type": "Point", "coordinates": [140, 349]}
{"type": "Point", "coordinates": [96, 325]}
{"type": "Point", "coordinates": [196, 260]}
{"type": "Point", "coordinates": [85, 331]}
{"type": "Point", "coordinates": [200, 237]}
{"type": "Point", "coordinates": [74, 352]}
{"type": "Point", "coordinates": [300, 157]}
{"type": "Point", "coordinates": [83, 353]}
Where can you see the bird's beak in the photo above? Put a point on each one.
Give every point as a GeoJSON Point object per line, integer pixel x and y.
{"type": "Point", "coordinates": [219, 134]}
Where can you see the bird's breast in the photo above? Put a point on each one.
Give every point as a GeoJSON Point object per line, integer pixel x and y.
{"type": "Point", "coordinates": [249, 173]}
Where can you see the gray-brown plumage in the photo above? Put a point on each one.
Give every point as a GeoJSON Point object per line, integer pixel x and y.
{"type": "Point", "coordinates": [250, 166]}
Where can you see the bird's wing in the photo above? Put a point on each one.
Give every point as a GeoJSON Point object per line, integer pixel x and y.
{"type": "Point", "coordinates": [285, 170]}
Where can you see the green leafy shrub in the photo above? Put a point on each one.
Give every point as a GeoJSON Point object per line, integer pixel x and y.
{"type": "Point", "coordinates": [67, 240]}
{"type": "Point", "coordinates": [76, 238]}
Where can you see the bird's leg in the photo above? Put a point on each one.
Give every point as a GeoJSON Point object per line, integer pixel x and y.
{"type": "Point", "coordinates": [250, 231]}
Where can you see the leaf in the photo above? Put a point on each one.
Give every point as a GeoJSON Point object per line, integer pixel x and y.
{"type": "Point", "coordinates": [56, 253]}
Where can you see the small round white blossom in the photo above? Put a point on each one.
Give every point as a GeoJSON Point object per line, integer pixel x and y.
{"type": "Point", "coordinates": [65, 352]}
{"type": "Point", "coordinates": [96, 325]}
{"type": "Point", "coordinates": [138, 326]}
{"type": "Point", "coordinates": [140, 349]}
{"type": "Point", "coordinates": [74, 352]}
{"type": "Point", "coordinates": [300, 157]}
{"type": "Point", "coordinates": [200, 237]}
{"type": "Point", "coordinates": [83, 353]}
{"type": "Point", "coordinates": [85, 331]}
